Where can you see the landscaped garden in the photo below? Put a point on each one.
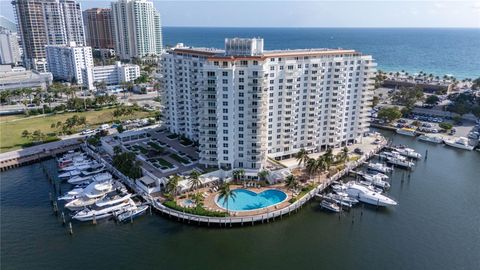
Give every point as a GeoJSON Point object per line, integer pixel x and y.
{"type": "Point", "coordinates": [179, 159]}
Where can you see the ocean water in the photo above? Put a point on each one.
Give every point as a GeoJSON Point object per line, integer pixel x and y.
{"type": "Point", "coordinates": [436, 225]}
{"type": "Point", "coordinates": [437, 51]}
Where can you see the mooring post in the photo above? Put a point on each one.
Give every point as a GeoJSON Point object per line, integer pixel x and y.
{"type": "Point", "coordinates": [70, 228]}
{"type": "Point", "coordinates": [94, 219]}
{"type": "Point", "coordinates": [63, 218]}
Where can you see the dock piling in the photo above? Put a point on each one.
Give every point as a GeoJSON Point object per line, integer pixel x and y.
{"type": "Point", "coordinates": [63, 218]}
{"type": "Point", "coordinates": [70, 229]}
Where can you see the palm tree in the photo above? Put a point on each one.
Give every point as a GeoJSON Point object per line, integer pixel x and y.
{"type": "Point", "coordinates": [343, 155]}
{"type": "Point", "coordinates": [302, 157]}
{"type": "Point", "coordinates": [226, 193]}
{"type": "Point", "coordinates": [312, 167]}
{"type": "Point", "coordinates": [172, 184]}
{"type": "Point", "coordinates": [262, 175]}
{"type": "Point", "coordinates": [195, 180]}
{"type": "Point", "coordinates": [236, 175]}
{"type": "Point", "coordinates": [328, 157]}
{"type": "Point", "coordinates": [197, 199]}
{"type": "Point", "coordinates": [241, 174]}
{"type": "Point", "coordinates": [291, 182]}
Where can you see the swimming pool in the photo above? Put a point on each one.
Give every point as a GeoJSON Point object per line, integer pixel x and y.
{"type": "Point", "coordinates": [248, 200]}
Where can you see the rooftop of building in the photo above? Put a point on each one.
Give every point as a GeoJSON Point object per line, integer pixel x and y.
{"type": "Point", "coordinates": [256, 51]}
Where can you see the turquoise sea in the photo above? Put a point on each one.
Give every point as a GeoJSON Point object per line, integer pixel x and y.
{"type": "Point", "coordinates": [439, 51]}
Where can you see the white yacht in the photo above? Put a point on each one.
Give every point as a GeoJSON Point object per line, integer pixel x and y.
{"type": "Point", "coordinates": [432, 139]}
{"type": "Point", "coordinates": [71, 195]}
{"type": "Point", "coordinates": [400, 161]}
{"type": "Point", "coordinates": [376, 181]}
{"type": "Point", "coordinates": [379, 167]}
{"type": "Point", "coordinates": [406, 131]}
{"type": "Point", "coordinates": [94, 169]}
{"type": "Point", "coordinates": [379, 174]}
{"type": "Point", "coordinates": [112, 198]}
{"type": "Point", "coordinates": [100, 212]}
{"type": "Point", "coordinates": [132, 213]}
{"type": "Point", "coordinates": [366, 195]}
{"type": "Point", "coordinates": [408, 152]}
{"type": "Point", "coordinates": [69, 174]}
{"type": "Point", "coordinates": [90, 195]}
{"type": "Point", "coordinates": [82, 165]}
{"type": "Point", "coordinates": [330, 206]}
{"type": "Point", "coordinates": [79, 179]}
{"type": "Point", "coordinates": [460, 142]}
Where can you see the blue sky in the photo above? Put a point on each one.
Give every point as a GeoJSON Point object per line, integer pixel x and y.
{"type": "Point", "coordinates": [319, 13]}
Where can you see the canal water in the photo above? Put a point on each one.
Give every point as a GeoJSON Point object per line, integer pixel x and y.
{"type": "Point", "coordinates": [435, 226]}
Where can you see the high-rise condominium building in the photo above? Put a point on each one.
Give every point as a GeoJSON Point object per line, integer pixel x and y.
{"type": "Point", "coordinates": [71, 63]}
{"type": "Point", "coordinates": [115, 74]}
{"type": "Point", "coordinates": [244, 104]}
{"type": "Point", "coordinates": [47, 22]}
{"type": "Point", "coordinates": [137, 28]}
{"type": "Point", "coordinates": [9, 48]}
{"type": "Point", "coordinates": [99, 28]}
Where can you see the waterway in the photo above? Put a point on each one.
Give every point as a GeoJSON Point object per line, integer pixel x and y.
{"type": "Point", "coordinates": [435, 226]}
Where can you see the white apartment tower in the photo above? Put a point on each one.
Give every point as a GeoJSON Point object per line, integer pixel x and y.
{"type": "Point", "coordinates": [137, 28]}
{"type": "Point", "coordinates": [47, 22]}
{"type": "Point", "coordinates": [9, 48]}
{"type": "Point", "coordinates": [71, 63]}
{"type": "Point", "coordinates": [245, 104]}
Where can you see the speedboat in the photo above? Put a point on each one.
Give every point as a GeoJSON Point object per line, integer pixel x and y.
{"type": "Point", "coordinates": [376, 181]}
{"type": "Point", "coordinates": [338, 187]}
{"type": "Point", "coordinates": [132, 213]}
{"type": "Point", "coordinates": [100, 212]}
{"type": "Point", "coordinates": [432, 139]}
{"type": "Point", "coordinates": [366, 195]}
{"type": "Point", "coordinates": [406, 131]}
{"type": "Point", "coordinates": [408, 152]}
{"type": "Point", "coordinates": [379, 167]}
{"type": "Point", "coordinates": [325, 204]}
{"type": "Point", "coordinates": [460, 142]}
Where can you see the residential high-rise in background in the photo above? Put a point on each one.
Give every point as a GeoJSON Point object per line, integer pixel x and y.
{"type": "Point", "coordinates": [245, 104]}
{"type": "Point", "coordinates": [47, 22]}
{"type": "Point", "coordinates": [99, 28]}
{"type": "Point", "coordinates": [137, 29]}
{"type": "Point", "coordinates": [9, 47]}
{"type": "Point", "coordinates": [71, 63]}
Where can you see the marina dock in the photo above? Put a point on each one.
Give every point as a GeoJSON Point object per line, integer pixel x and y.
{"type": "Point", "coordinates": [37, 153]}
{"type": "Point", "coordinates": [234, 220]}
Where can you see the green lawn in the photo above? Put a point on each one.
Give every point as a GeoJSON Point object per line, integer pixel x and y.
{"type": "Point", "coordinates": [11, 127]}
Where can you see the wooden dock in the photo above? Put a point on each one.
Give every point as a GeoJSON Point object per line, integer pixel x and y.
{"type": "Point", "coordinates": [37, 153]}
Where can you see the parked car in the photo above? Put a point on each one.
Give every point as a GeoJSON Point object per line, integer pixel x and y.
{"type": "Point", "coordinates": [87, 131]}
{"type": "Point", "coordinates": [358, 151]}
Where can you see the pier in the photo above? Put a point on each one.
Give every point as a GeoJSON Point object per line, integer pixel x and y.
{"type": "Point", "coordinates": [37, 153]}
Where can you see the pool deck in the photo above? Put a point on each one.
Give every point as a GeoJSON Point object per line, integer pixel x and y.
{"type": "Point", "coordinates": [210, 204]}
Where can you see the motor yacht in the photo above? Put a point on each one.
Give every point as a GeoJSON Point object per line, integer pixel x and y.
{"type": "Point", "coordinates": [82, 165]}
{"type": "Point", "coordinates": [366, 195]}
{"type": "Point", "coordinates": [460, 142]}
{"type": "Point", "coordinates": [408, 152]}
{"type": "Point", "coordinates": [71, 195]}
{"type": "Point", "coordinates": [331, 206]}
{"type": "Point", "coordinates": [432, 139]}
{"type": "Point", "coordinates": [379, 167]}
{"type": "Point", "coordinates": [100, 177]}
{"type": "Point", "coordinates": [132, 213]}
{"type": "Point", "coordinates": [376, 181]}
{"type": "Point", "coordinates": [100, 212]}
{"type": "Point", "coordinates": [113, 198]}
{"type": "Point", "coordinates": [406, 131]}
{"type": "Point", "coordinates": [94, 169]}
